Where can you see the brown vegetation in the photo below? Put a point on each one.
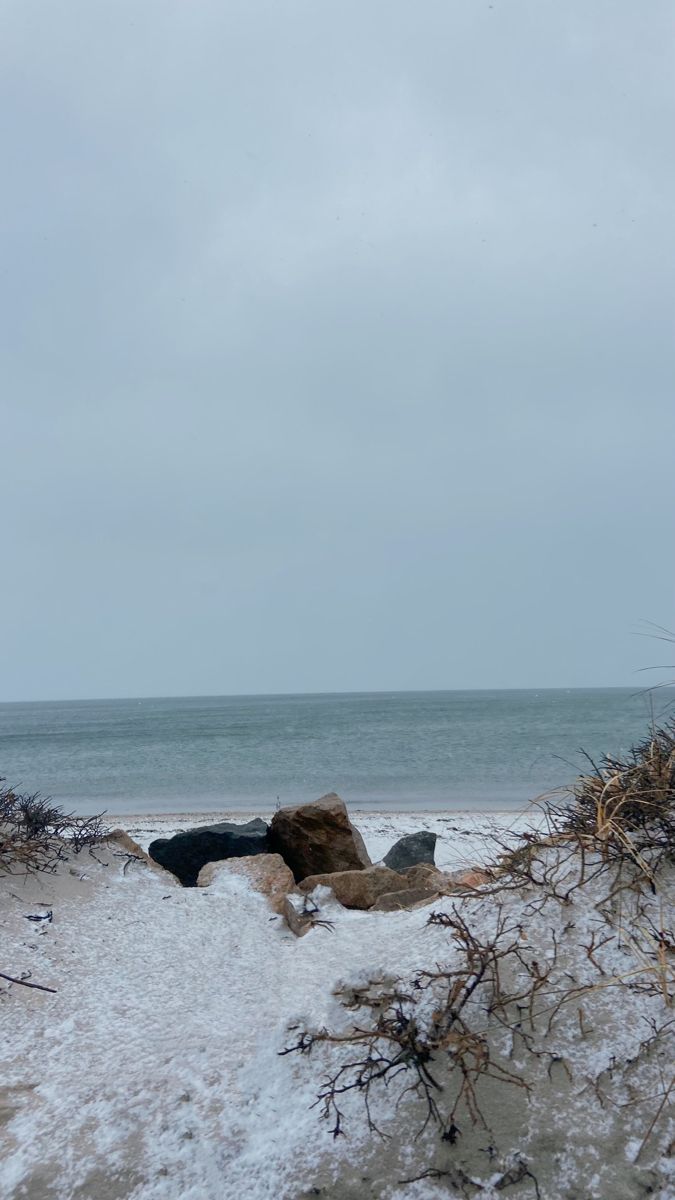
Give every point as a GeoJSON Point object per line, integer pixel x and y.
{"type": "Point", "coordinates": [574, 911]}
{"type": "Point", "coordinates": [35, 834]}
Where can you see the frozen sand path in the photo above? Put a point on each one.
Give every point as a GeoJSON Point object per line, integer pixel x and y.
{"type": "Point", "coordinates": [156, 1065]}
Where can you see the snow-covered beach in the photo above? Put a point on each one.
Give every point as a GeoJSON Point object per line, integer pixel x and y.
{"type": "Point", "coordinates": [153, 1070]}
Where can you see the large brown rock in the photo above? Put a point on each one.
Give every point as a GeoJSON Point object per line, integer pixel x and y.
{"type": "Point", "coordinates": [266, 873]}
{"type": "Point", "coordinates": [318, 838]}
{"type": "Point", "coordinates": [357, 889]}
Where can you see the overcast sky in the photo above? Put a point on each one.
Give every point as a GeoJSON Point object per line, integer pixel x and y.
{"type": "Point", "coordinates": [336, 344]}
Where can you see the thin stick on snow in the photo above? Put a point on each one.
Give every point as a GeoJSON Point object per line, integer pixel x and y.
{"type": "Point", "coordinates": [657, 1114]}
{"type": "Point", "coordinates": [25, 983]}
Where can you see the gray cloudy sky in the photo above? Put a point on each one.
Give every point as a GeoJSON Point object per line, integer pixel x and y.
{"type": "Point", "coordinates": [336, 344]}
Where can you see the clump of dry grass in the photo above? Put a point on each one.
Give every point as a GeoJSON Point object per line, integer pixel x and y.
{"type": "Point", "coordinates": [625, 807]}
{"type": "Point", "coordinates": [35, 834]}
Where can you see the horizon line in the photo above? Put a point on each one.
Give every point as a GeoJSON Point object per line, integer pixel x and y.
{"type": "Point", "coordinates": [323, 694]}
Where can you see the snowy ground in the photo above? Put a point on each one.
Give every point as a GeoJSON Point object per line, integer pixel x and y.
{"type": "Point", "coordinates": [153, 1072]}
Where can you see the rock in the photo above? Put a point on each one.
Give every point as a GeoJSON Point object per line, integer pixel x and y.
{"type": "Point", "coordinates": [445, 882]}
{"type": "Point", "coordinates": [473, 877]}
{"type": "Point", "coordinates": [126, 843]}
{"type": "Point", "coordinates": [267, 873]}
{"type": "Point", "coordinates": [318, 838]}
{"type": "Point", "coordinates": [299, 917]}
{"type": "Point", "coordinates": [120, 839]}
{"type": "Point", "coordinates": [410, 850]}
{"type": "Point", "coordinates": [411, 898]}
{"type": "Point", "coordinates": [186, 853]}
{"type": "Point", "coordinates": [426, 876]}
{"type": "Point", "coordinates": [357, 889]}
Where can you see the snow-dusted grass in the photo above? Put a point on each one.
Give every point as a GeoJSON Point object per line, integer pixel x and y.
{"type": "Point", "coordinates": [154, 1071]}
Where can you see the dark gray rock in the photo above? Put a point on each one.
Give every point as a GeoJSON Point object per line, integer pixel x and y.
{"type": "Point", "coordinates": [410, 850]}
{"type": "Point", "coordinates": [186, 853]}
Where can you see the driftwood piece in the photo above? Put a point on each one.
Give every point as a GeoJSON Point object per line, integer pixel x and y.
{"type": "Point", "coordinates": [24, 983]}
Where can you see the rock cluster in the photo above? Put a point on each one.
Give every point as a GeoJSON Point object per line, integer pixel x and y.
{"type": "Point", "coordinates": [309, 846]}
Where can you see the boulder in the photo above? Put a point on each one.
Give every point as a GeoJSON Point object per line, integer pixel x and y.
{"type": "Point", "coordinates": [121, 843]}
{"type": "Point", "coordinates": [318, 838]}
{"type": "Point", "coordinates": [427, 876]}
{"type": "Point", "coordinates": [357, 889]}
{"type": "Point", "coordinates": [410, 850]}
{"type": "Point", "coordinates": [266, 873]}
{"type": "Point", "coordinates": [411, 898]}
{"type": "Point", "coordinates": [186, 853]}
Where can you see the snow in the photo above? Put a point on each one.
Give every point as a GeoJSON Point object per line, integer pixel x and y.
{"type": "Point", "coordinates": [161, 1043]}
{"type": "Point", "coordinates": [154, 1072]}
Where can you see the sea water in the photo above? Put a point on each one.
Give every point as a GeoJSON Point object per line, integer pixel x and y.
{"type": "Point", "coordinates": [384, 750]}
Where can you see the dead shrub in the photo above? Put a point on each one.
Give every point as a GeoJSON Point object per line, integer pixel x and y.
{"type": "Point", "coordinates": [35, 834]}
{"type": "Point", "coordinates": [601, 844]}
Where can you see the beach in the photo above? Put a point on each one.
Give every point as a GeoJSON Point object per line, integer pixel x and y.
{"type": "Point", "coordinates": [463, 838]}
{"type": "Point", "coordinates": [155, 1068]}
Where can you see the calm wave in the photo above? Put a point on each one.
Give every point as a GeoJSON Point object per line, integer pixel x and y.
{"type": "Point", "coordinates": [400, 750]}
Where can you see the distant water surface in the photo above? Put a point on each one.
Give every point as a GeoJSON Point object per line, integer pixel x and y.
{"type": "Point", "coordinates": [398, 750]}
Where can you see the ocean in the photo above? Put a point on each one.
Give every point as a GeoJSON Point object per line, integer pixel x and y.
{"type": "Point", "coordinates": [384, 750]}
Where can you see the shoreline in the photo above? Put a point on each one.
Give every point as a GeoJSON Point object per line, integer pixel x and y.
{"type": "Point", "coordinates": [212, 808]}
{"type": "Point", "coordinates": [436, 814]}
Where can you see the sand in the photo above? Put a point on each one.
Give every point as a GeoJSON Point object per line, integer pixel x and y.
{"type": "Point", "coordinates": [153, 1071]}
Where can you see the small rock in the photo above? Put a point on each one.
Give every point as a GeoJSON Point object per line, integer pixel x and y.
{"type": "Point", "coordinates": [410, 850]}
{"type": "Point", "coordinates": [121, 840]}
{"type": "Point", "coordinates": [425, 875]}
{"type": "Point", "coordinates": [474, 877]}
{"type": "Point", "coordinates": [357, 889]}
{"type": "Point", "coordinates": [299, 918]}
{"type": "Point", "coordinates": [445, 882]}
{"type": "Point", "coordinates": [267, 873]}
{"type": "Point", "coordinates": [411, 898]}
